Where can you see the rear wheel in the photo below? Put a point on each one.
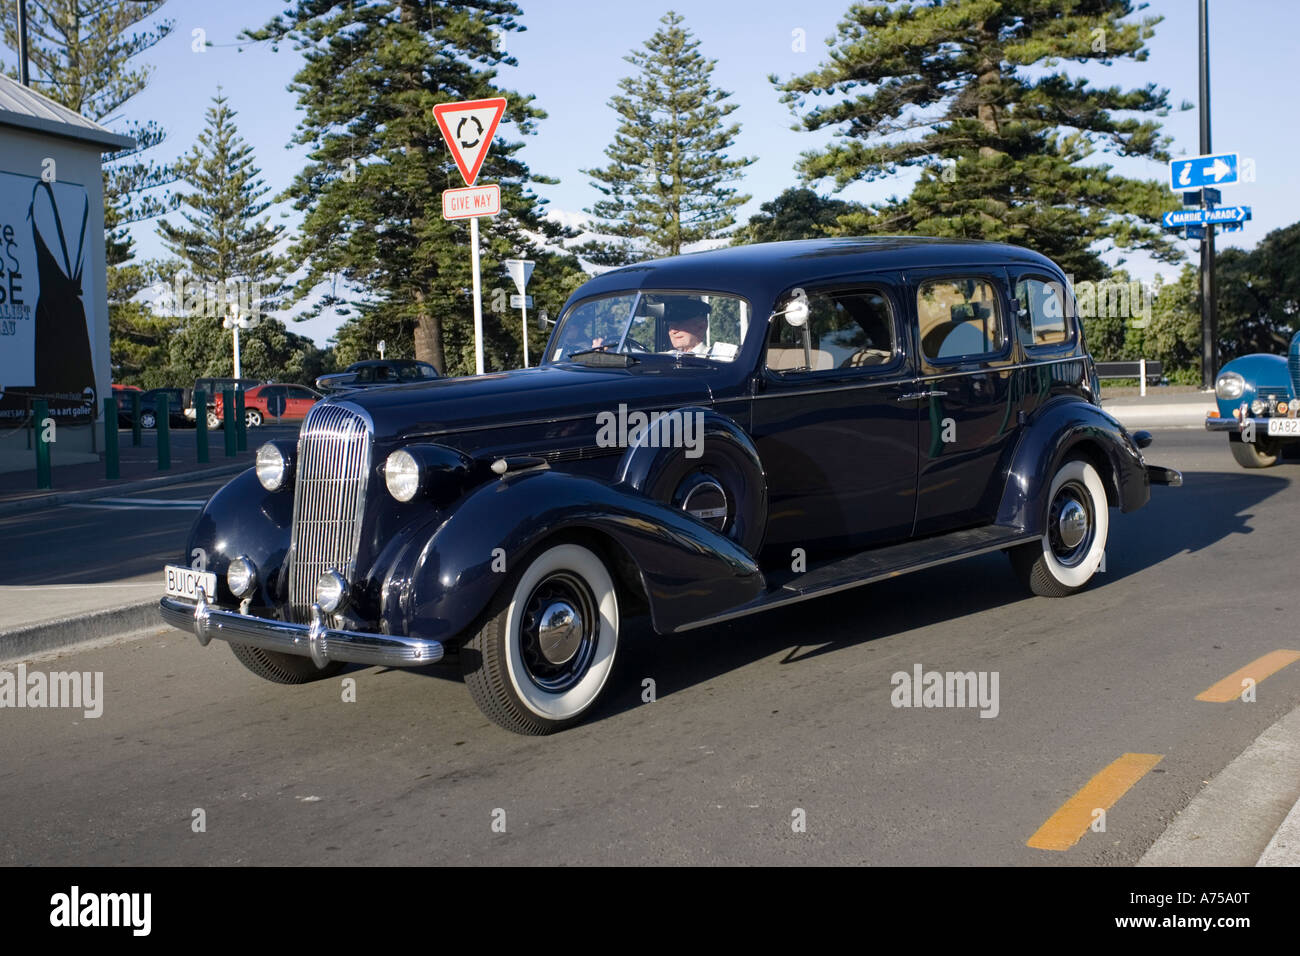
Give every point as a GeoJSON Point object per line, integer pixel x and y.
{"type": "Point", "coordinates": [148, 420]}
{"type": "Point", "coordinates": [1261, 453]}
{"type": "Point", "coordinates": [1071, 550]}
{"type": "Point", "coordinates": [253, 418]}
{"type": "Point", "coordinates": [282, 668]}
{"type": "Point", "coordinates": [543, 656]}
{"type": "Point", "coordinates": [213, 420]}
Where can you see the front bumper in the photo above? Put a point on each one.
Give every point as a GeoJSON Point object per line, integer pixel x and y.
{"type": "Point", "coordinates": [1215, 423]}
{"type": "Point", "coordinates": [314, 640]}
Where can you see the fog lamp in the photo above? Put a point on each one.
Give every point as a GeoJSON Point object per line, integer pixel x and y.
{"type": "Point", "coordinates": [241, 576]}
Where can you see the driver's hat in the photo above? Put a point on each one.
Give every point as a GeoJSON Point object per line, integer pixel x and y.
{"type": "Point", "coordinates": [682, 310]}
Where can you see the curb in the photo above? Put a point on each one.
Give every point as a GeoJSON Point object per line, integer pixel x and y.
{"type": "Point", "coordinates": [1284, 848]}
{"type": "Point", "coordinates": [57, 635]}
{"type": "Point", "coordinates": [1235, 819]}
{"type": "Point", "coordinates": [1156, 416]}
{"type": "Point", "coordinates": [51, 499]}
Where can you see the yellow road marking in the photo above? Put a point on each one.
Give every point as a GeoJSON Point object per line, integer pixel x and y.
{"type": "Point", "coordinates": [1067, 825]}
{"type": "Point", "coordinates": [1230, 688]}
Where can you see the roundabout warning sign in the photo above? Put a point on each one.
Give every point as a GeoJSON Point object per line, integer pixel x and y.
{"type": "Point", "coordinates": [468, 128]}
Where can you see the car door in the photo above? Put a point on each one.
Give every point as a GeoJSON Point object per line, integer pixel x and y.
{"type": "Point", "coordinates": [833, 423]}
{"type": "Point", "coordinates": [299, 403]}
{"type": "Point", "coordinates": [968, 395]}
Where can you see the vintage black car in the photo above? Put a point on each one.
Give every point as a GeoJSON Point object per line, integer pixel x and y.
{"type": "Point", "coordinates": [709, 436]}
{"type": "Point", "coordinates": [376, 373]}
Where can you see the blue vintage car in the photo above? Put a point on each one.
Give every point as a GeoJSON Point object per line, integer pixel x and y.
{"type": "Point", "coordinates": [709, 436]}
{"type": "Point", "coordinates": [1258, 399]}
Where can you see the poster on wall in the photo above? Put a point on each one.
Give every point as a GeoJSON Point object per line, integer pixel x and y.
{"type": "Point", "coordinates": [46, 294]}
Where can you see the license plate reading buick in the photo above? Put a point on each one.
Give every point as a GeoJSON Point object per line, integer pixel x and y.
{"type": "Point", "coordinates": [1284, 426]}
{"type": "Point", "coordinates": [185, 583]}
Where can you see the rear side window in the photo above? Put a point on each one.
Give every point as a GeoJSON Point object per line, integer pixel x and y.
{"type": "Point", "coordinates": [847, 329]}
{"type": "Point", "coordinates": [958, 318]}
{"type": "Point", "coordinates": [1043, 317]}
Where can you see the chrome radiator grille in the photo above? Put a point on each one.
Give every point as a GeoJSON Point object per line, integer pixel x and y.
{"type": "Point", "coordinates": [329, 495]}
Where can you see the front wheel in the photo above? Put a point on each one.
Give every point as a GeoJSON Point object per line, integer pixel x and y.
{"type": "Point", "coordinates": [1261, 453]}
{"type": "Point", "coordinates": [213, 421]}
{"type": "Point", "coordinates": [1071, 550]}
{"type": "Point", "coordinates": [542, 657]}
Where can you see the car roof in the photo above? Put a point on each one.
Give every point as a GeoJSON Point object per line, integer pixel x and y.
{"type": "Point", "coordinates": [763, 270]}
{"type": "Point", "coordinates": [370, 362]}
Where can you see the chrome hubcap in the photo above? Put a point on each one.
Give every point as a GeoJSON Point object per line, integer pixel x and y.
{"type": "Point", "coordinates": [1071, 524]}
{"type": "Point", "coordinates": [559, 632]}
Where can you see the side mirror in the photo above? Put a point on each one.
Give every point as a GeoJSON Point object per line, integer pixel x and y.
{"type": "Point", "coordinates": [796, 313]}
{"type": "Point", "coordinates": [1142, 439]}
{"type": "Point", "coordinates": [543, 319]}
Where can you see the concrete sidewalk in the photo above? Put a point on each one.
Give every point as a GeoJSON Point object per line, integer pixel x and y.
{"type": "Point", "coordinates": [1162, 407]}
{"type": "Point", "coordinates": [1248, 814]}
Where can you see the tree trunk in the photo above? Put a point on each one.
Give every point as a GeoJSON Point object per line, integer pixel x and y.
{"type": "Point", "coordinates": [428, 336]}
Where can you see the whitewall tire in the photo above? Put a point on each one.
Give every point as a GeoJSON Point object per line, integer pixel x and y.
{"type": "Point", "coordinates": [543, 656]}
{"type": "Point", "coordinates": [1071, 549]}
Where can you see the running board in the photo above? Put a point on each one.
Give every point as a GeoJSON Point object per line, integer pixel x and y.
{"type": "Point", "coordinates": [877, 565]}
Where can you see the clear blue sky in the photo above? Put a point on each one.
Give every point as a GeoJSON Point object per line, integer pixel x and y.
{"type": "Point", "coordinates": [571, 57]}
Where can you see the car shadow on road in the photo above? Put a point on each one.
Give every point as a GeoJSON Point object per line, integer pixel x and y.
{"type": "Point", "coordinates": [1209, 507]}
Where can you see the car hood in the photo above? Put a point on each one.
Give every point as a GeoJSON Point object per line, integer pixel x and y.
{"type": "Point", "coordinates": [546, 394]}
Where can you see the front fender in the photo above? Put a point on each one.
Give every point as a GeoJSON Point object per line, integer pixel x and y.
{"type": "Point", "coordinates": [243, 518]}
{"type": "Point", "coordinates": [1262, 374]}
{"type": "Point", "coordinates": [688, 571]}
{"type": "Point", "coordinates": [1059, 428]}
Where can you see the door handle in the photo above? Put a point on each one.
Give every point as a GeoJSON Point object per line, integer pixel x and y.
{"type": "Point", "coordinates": [913, 396]}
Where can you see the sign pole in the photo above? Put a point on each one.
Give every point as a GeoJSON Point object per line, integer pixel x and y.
{"type": "Point", "coordinates": [1209, 316]}
{"type": "Point", "coordinates": [523, 310]}
{"type": "Point", "coordinates": [478, 297]}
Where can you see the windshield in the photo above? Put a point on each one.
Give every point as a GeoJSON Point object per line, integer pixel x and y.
{"type": "Point", "coordinates": [642, 323]}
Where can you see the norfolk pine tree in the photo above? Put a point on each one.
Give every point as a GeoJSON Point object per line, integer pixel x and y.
{"type": "Point", "coordinates": [377, 166]}
{"type": "Point", "coordinates": [971, 93]}
{"type": "Point", "coordinates": [226, 248]}
{"type": "Point", "coordinates": [666, 185]}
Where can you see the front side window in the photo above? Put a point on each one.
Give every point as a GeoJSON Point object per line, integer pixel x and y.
{"type": "Point", "coordinates": [1043, 311]}
{"type": "Point", "coordinates": [958, 318]}
{"type": "Point", "coordinates": [845, 330]}
{"type": "Point", "coordinates": [645, 323]}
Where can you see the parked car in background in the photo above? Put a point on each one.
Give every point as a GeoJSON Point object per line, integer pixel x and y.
{"type": "Point", "coordinates": [376, 372]}
{"type": "Point", "coordinates": [1258, 399]}
{"type": "Point", "coordinates": [212, 387]}
{"type": "Point", "coordinates": [709, 436]}
{"type": "Point", "coordinates": [178, 400]}
{"type": "Point", "coordinates": [271, 403]}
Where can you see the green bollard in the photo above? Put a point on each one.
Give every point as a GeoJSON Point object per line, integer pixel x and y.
{"type": "Point", "coordinates": [135, 419]}
{"type": "Point", "coordinates": [242, 421]}
{"type": "Point", "coordinates": [44, 437]}
{"type": "Point", "coordinates": [111, 470]}
{"type": "Point", "coordinates": [164, 431]}
{"type": "Point", "coordinates": [201, 424]}
{"type": "Point", "coordinates": [228, 420]}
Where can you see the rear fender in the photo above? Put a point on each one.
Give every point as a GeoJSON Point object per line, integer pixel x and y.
{"type": "Point", "coordinates": [1059, 430]}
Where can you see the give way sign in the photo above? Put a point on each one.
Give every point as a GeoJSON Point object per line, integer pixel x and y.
{"type": "Point", "coordinates": [468, 128]}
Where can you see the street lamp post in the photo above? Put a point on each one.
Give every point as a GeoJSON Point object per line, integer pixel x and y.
{"type": "Point", "coordinates": [235, 322]}
{"type": "Point", "coordinates": [23, 76]}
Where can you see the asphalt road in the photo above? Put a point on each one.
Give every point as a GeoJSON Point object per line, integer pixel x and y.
{"type": "Point", "coordinates": [753, 723]}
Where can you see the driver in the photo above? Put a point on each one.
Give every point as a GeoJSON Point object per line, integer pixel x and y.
{"type": "Point", "coordinates": [688, 325]}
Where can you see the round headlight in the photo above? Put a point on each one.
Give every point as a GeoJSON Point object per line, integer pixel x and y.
{"type": "Point", "coordinates": [1257, 406]}
{"type": "Point", "coordinates": [271, 467]}
{"type": "Point", "coordinates": [331, 591]}
{"type": "Point", "coordinates": [402, 475]}
{"type": "Point", "coordinates": [1230, 385]}
{"type": "Point", "coordinates": [241, 576]}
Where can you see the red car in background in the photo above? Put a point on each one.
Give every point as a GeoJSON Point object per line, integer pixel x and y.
{"type": "Point", "coordinates": [274, 403]}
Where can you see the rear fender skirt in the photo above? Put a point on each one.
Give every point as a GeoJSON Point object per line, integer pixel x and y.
{"type": "Point", "coordinates": [688, 571]}
{"type": "Point", "coordinates": [1059, 429]}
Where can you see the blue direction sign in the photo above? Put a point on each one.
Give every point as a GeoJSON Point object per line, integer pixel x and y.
{"type": "Point", "coordinates": [1200, 217]}
{"type": "Point", "coordinates": [1193, 172]}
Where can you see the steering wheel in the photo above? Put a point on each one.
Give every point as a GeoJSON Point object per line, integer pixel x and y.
{"type": "Point", "coordinates": [634, 346]}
